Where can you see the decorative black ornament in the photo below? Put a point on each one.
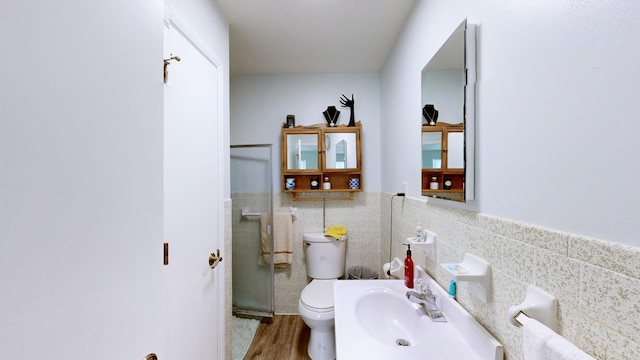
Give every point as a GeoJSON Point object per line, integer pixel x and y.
{"type": "Point", "coordinates": [430, 113]}
{"type": "Point", "coordinates": [331, 115]}
{"type": "Point", "coordinates": [291, 121]}
{"type": "Point", "coordinates": [346, 102]}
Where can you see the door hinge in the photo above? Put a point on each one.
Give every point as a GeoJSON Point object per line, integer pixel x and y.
{"type": "Point", "coordinates": [166, 253]}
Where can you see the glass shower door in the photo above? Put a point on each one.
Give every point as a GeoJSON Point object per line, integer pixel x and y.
{"type": "Point", "coordinates": [252, 203]}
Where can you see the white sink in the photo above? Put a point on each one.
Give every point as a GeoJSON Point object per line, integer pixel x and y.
{"type": "Point", "coordinates": [375, 320]}
{"type": "Point", "coordinates": [387, 317]}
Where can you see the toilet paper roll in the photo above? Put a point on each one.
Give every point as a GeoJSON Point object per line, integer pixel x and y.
{"type": "Point", "coordinates": [385, 270]}
{"type": "Point", "coordinates": [394, 269]}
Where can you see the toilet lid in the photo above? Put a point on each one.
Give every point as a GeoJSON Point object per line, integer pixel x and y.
{"type": "Point", "coordinates": [318, 295]}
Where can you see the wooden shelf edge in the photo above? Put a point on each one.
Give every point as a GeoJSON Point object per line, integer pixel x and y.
{"type": "Point", "coordinates": [445, 191]}
{"type": "Point", "coordinates": [296, 197]}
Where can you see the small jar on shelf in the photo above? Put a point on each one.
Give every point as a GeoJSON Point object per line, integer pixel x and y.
{"type": "Point", "coordinates": [326, 184]}
{"type": "Point", "coordinates": [314, 184]}
{"type": "Point", "coordinates": [433, 185]}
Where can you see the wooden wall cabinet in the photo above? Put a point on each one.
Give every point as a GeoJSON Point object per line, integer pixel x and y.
{"type": "Point", "coordinates": [443, 161]}
{"type": "Point", "coordinates": [319, 151]}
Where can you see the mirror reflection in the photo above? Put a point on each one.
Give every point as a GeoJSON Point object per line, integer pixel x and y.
{"type": "Point", "coordinates": [448, 94]}
{"type": "Point", "coordinates": [432, 150]}
{"type": "Point", "coordinates": [340, 150]}
{"type": "Point", "coordinates": [455, 150]}
{"type": "Point", "coordinates": [302, 151]}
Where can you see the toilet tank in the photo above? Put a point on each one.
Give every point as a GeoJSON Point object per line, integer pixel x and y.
{"type": "Point", "coordinates": [325, 256]}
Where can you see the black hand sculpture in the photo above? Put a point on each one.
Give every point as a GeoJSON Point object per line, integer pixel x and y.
{"type": "Point", "coordinates": [346, 102]}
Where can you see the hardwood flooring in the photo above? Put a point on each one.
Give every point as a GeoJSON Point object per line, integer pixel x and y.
{"type": "Point", "coordinates": [285, 338]}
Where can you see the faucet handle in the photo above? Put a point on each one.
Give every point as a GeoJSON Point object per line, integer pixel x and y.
{"type": "Point", "coordinates": [423, 286]}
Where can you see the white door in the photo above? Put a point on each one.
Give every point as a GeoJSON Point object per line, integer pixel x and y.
{"type": "Point", "coordinates": [191, 202]}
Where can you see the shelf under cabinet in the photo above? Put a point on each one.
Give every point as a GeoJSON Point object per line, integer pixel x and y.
{"type": "Point", "coordinates": [296, 194]}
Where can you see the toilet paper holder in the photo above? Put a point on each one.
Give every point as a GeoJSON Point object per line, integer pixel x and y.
{"type": "Point", "coordinates": [395, 268]}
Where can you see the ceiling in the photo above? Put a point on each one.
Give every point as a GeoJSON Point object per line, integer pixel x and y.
{"type": "Point", "coordinates": [312, 36]}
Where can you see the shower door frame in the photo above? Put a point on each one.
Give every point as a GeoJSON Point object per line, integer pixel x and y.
{"type": "Point", "coordinates": [250, 312]}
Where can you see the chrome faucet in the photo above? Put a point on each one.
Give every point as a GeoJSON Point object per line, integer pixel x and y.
{"type": "Point", "coordinates": [425, 297]}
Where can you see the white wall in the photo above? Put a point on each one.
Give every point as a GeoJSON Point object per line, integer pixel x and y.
{"type": "Point", "coordinates": [260, 104]}
{"type": "Point", "coordinates": [81, 179]}
{"type": "Point", "coordinates": [556, 110]}
{"type": "Point", "coordinates": [206, 20]}
{"type": "Point", "coordinates": [81, 144]}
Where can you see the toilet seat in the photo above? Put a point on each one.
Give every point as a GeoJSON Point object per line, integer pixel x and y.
{"type": "Point", "coordinates": [317, 296]}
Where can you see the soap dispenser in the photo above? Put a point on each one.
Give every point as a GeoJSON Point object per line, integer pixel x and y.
{"type": "Point", "coordinates": [408, 268]}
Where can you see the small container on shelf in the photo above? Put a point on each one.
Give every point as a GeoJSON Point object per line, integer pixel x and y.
{"type": "Point", "coordinates": [290, 183]}
{"type": "Point", "coordinates": [314, 183]}
{"type": "Point", "coordinates": [447, 183]}
{"type": "Point", "coordinates": [433, 185]}
{"type": "Point", "coordinates": [326, 184]}
{"type": "Point", "coordinates": [419, 231]}
{"type": "Point", "coordinates": [354, 183]}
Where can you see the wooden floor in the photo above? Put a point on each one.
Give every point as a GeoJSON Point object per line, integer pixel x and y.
{"type": "Point", "coordinates": [285, 338]}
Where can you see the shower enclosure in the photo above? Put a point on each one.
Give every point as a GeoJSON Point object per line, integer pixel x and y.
{"type": "Point", "coordinates": [252, 200]}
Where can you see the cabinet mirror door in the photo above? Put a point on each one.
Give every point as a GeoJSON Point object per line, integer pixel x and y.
{"type": "Point", "coordinates": [302, 152]}
{"type": "Point", "coordinates": [432, 150]}
{"type": "Point", "coordinates": [340, 150]}
{"type": "Point", "coordinates": [448, 87]}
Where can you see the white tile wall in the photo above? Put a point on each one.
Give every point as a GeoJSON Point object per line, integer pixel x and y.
{"type": "Point", "coordinates": [597, 283]}
{"type": "Point", "coordinates": [362, 219]}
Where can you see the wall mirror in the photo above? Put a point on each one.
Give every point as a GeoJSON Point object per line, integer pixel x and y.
{"type": "Point", "coordinates": [302, 151]}
{"type": "Point", "coordinates": [448, 85]}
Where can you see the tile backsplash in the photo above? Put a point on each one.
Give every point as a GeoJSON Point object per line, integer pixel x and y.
{"type": "Point", "coordinates": [597, 283]}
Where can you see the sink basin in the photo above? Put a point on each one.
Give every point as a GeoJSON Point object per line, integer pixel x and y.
{"type": "Point", "coordinates": [375, 320]}
{"type": "Point", "coordinates": [388, 318]}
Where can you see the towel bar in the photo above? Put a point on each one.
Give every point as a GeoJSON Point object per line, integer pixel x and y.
{"type": "Point", "coordinates": [246, 213]}
{"type": "Point", "coordinates": [541, 342]}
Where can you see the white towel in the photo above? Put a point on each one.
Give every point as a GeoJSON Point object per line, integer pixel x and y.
{"type": "Point", "coordinates": [541, 343]}
{"type": "Point", "coordinates": [282, 239]}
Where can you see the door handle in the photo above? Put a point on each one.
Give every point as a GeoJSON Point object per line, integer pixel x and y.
{"type": "Point", "coordinates": [151, 356]}
{"type": "Point", "coordinates": [214, 259]}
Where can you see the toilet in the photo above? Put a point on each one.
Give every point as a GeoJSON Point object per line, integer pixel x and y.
{"type": "Point", "coordinates": [325, 258]}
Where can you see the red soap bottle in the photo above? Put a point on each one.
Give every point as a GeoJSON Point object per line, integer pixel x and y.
{"type": "Point", "coordinates": [408, 268]}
